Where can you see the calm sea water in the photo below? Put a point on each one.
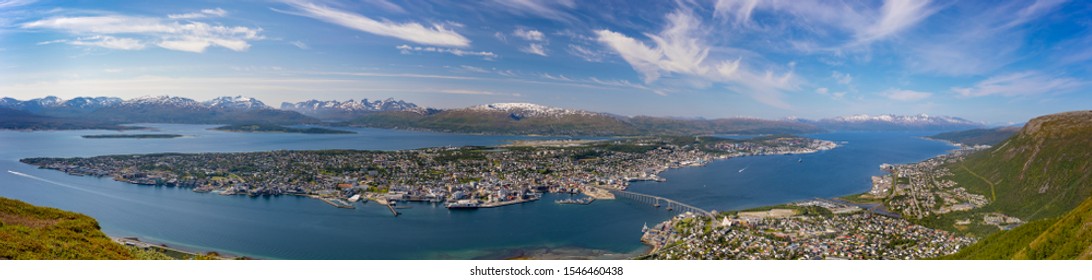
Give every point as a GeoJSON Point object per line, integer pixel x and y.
{"type": "Point", "coordinates": [302, 228]}
{"type": "Point", "coordinates": [748, 182]}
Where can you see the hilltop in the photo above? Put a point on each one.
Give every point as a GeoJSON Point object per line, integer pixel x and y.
{"type": "Point", "coordinates": [1043, 171]}
{"type": "Point", "coordinates": [41, 233]}
{"type": "Point", "coordinates": [1042, 175]}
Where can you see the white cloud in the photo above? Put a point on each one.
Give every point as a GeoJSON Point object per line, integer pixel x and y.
{"type": "Point", "coordinates": [468, 92]}
{"type": "Point", "coordinates": [895, 16]}
{"type": "Point", "coordinates": [218, 12]}
{"type": "Point", "coordinates": [529, 34]}
{"type": "Point", "coordinates": [109, 43]}
{"type": "Point", "coordinates": [978, 42]}
{"type": "Point", "coordinates": [586, 53]}
{"type": "Point", "coordinates": [551, 9]}
{"type": "Point", "coordinates": [826, 92]}
{"type": "Point", "coordinates": [15, 3]}
{"type": "Point", "coordinates": [842, 78]}
{"type": "Point", "coordinates": [300, 45]}
{"type": "Point", "coordinates": [739, 9]}
{"type": "Point", "coordinates": [474, 69]}
{"type": "Point", "coordinates": [387, 6]}
{"type": "Point", "coordinates": [191, 36]}
{"type": "Point", "coordinates": [906, 95]}
{"type": "Point", "coordinates": [534, 48]}
{"type": "Point", "coordinates": [642, 58]}
{"type": "Point", "coordinates": [407, 49]}
{"type": "Point", "coordinates": [436, 35]}
{"type": "Point", "coordinates": [1021, 83]}
{"type": "Point", "coordinates": [537, 39]}
{"type": "Point", "coordinates": [679, 49]}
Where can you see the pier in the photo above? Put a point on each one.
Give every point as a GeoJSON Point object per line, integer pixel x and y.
{"type": "Point", "coordinates": [657, 201]}
{"type": "Point", "coordinates": [389, 204]}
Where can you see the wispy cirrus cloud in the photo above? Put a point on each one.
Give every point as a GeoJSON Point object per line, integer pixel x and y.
{"type": "Point", "coordinates": [679, 49]}
{"type": "Point", "coordinates": [895, 16]}
{"type": "Point", "coordinates": [551, 9]}
{"type": "Point", "coordinates": [134, 32]}
{"type": "Point", "coordinates": [217, 12]}
{"type": "Point", "coordinates": [435, 35]}
{"type": "Point", "coordinates": [1020, 83]}
{"type": "Point", "coordinates": [407, 49]}
{"type": "Point", "coordinates": [905, 94]}
{"type": "Point", "coordinates": [537, 39]}
{"type": "Point", "coordinates": [978, 39]}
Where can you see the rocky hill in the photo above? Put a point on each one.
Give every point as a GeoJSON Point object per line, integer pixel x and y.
{"type": "Point", "coordinates": [345, 110]}
{"type": "Point", "coordinates": [1042, 174]}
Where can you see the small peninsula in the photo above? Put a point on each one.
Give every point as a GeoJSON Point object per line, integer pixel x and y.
{"type": "Point", "coordinates": [136, 136]}
{"type": "Point", "coordinates": [279, 129]}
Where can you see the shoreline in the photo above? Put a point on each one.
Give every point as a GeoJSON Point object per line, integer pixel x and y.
{"type": "Point", "coordinates": [178, 252]}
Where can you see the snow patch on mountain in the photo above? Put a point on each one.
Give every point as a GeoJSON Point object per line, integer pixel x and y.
{"type": "Point", "coordinates": [530, 110]}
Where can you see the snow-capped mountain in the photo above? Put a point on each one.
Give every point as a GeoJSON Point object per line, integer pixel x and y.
{"type": "Point", "coordinates": [896, 122]}
{"type": "Point", "coordinates": [236, 102]}
{"type": "Point", "coordinates": [91, 103]}
{"type": "Point", "coordinates": [333, 109]}
{"type": "Point", "coordinates": [529, 110]}
{"type": "Point", "coordinates": [52, 103]}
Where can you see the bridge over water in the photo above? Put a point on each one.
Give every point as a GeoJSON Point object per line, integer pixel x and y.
{"type": "Point", "coordinates": [669, 204]}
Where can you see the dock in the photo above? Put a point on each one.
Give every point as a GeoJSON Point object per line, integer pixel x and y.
{"type": "Point", "coordinates": [335, 202]}
{"type": "Point", "coordinates": [389, 204]}
{"type": "Point", "coordinates": [509, 202]}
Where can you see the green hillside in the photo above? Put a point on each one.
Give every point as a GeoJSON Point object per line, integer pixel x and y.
{"type": "Point", "coordinates": [1041, 175]}
{"type": "Point", "coordinates": [983, 136]}
{"type": "Point", "coordinates": [41, 233]}
{"type": "Point", "coordinates": [1067, 237]}
{"type": "Point", "coordinates": [1042, 172]}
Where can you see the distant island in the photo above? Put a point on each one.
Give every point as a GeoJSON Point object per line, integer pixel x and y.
{"type": "Point", "coordinates": [137, 136]}
{"type": "Point", "coordinates": [278, 128]}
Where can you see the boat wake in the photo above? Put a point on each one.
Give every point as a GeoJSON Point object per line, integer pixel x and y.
{"type": "Point", "coordinates": [40, 179]}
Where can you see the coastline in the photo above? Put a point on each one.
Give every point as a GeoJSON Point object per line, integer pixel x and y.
{"type": "Point", "coordinates": [177, 252]}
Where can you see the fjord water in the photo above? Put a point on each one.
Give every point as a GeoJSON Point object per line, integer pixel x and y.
{"type": "Point", "coordinates": [749, 182]}
{"type": "Point", "coordinates": [290, 227]}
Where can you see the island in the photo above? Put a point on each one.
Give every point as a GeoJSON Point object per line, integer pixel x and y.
{"type": "Point", "coordinates": [136, 136]}
{"type": "Point", "coordinates": [279, 129]}
{"type": "Point", "coordinates": [461, 177]}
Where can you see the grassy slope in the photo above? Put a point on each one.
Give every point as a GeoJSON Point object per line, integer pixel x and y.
{"type": "Point", "coordinates": [1042, 172]}
{"type": "Point", "coordinates": [1067, 237]}
{"type": "Point", "coordinates": [31, 232]}
{"type": "Point", "coordinates": [985, 136]}
{"type": "Point", "coordinates": [1041, 175]}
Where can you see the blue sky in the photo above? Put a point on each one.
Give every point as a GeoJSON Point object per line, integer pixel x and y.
{"type": "Point", "coordinates": [988, 61]}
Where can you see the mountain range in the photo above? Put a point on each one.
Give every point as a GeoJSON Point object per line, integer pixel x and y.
{"type": "Point", "coordinates": [887, 122]}
{"type": "Point", "coordinates": [496, 118]}
{"type": "Point", "coordinates": [344, 110]}
{"type": "Point", "coordinates": [93, 112]}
